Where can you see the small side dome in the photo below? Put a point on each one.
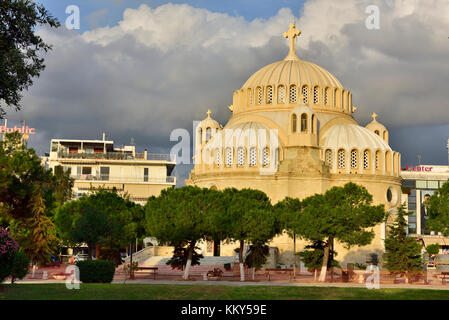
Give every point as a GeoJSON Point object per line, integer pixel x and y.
{"type": "Point", "coordinates": [378, 128]}
{"type": "Point", "coordinates": [206, 129]}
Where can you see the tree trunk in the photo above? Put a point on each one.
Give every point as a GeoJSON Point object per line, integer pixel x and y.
{"type": "Point", "coordinates": [90, 250]}
{"type": "Point", "coordinates": [325, 261]}
{"type": "Point", "coordinates": [97, 251]}
{"type": "Point", "coordinates": [315, 271]}
{"type": "Point", "coordinates": [242, 269]}
{"type": "Point", "coordinates": [189, 259]}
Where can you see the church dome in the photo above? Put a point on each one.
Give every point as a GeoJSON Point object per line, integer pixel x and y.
{"type": "Point", "coordinates": [284, 84]}
{"type": "Point", "coordinates": [351, 136]}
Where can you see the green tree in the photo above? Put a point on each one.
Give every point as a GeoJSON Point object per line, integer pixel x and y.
{"type": "Point", "coordinates": [313, 254]}
{"type": "Point", "coordinates": [341, 213]}
{"type": "Point", "coordinates": [21, 48]}
{"type": "Point", "coordinates": [180, 216]}
{"type": "Point", "coordinates": [249, 217]}
{"type": "Point", "coordinates": [439, 210]}
{"type": "Point", "coordinates": [402, 253]}
{"type": "Point", "coordinates": [20, 266]}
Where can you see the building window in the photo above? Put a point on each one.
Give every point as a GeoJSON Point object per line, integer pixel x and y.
{"type": "Point", "coordinates": [281, 94]}
{"type": "Point", "coordinates": [104, 173]}
{"type": "Point", "coordinates": [292, 93]}
{"type": "Point", "coordinates": [328, 157]}
{"type": "Point", "coordinates": [269, 94]}
{"type": "Point", "coordinates": [315, 95]}
{"type": "Point", "coordinates": [354, 158]}
{"type": "Point", "coordinates": [252, 157]}
{"type": "Point", "coordinates": [312, 123]}
{"type": "Point", "coordinates": [366, 159]}
{"type": "Point", "coordinates": [240, 156]}
{"type": "Point", "coordinates": [250, 96]}
{"type": "Point", "coordinates": [305, 97]}
{"type": "Point", "coordinates": [341, 159]}
{"type": "Point", "coordinates": [294, 123]}
{"type": "Point", "coordinates": [217, 157]}
{"type": "Point", "coordinates": [378, 161]}
{"type": "Point", "coordinates": [326, 96]}
{"type": "Point", "coordinates": [265, 157]}
{"type": "Point", "coordinates": [145, 174]}
{"type": "Point", "coordinates": [303, 122]}
{"type": "Point", "coordinates": [208, 134]}
{"type": "Point", "coordinates": [259, 95]}
{"type": "Point", "coordinates": [229, 156]}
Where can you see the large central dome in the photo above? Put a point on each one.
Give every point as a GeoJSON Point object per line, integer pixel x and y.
{"type": "Point", "coordinates": [285, 84]}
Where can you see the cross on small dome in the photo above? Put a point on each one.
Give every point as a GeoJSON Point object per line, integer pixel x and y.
{"type": "Point", "coordinates": [374, 115]}
{"type": "Point", "coordinates": [208, 113]}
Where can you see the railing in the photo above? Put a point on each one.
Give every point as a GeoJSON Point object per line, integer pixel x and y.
{"type": "Point", "coordinates": [90, 177]}
{"type": "Point", "coordinates": [117, 156]}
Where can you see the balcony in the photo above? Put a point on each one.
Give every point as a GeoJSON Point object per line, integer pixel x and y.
{"type": "Point", "coordinates": [107, 178]}
{"type": "Point", "coordinates": [116, 156]}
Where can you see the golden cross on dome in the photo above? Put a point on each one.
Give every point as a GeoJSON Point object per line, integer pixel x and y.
{"type": "Point", "coordinates": [209, 113]}
{"type": "Point", "coordinates": [292, 33]}
{"type": "Point", "coordinates": [374, 115]}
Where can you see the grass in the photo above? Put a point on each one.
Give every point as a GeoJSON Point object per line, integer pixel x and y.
{"type": "Point", "coordinates": [199, 292]}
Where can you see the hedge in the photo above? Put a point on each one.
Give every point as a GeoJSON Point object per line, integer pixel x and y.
{"type": "Point", "coordinates": [96, 271]}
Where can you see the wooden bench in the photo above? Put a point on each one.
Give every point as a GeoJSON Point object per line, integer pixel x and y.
{"type": "Point", "coordinates": [153, 269]}
{"type": "Point", "coordinates": [268, 273]}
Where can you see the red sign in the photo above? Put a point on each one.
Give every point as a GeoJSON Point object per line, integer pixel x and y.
{"type": "Point", "coordinates": [22, 130]}
{"type": "Point", "coordinates": [410, 167]}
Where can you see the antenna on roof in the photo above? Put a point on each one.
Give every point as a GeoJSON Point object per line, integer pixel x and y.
{"type": "Point", "coordinates": [104, 136]}
{"type": "Point", "coordinates": [132, 142]}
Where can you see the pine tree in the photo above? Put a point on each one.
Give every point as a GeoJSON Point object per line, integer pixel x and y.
{"type": "Point", "coordinates": [403, 254]}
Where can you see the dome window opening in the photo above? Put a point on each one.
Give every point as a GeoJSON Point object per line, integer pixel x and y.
{"type": "Point", "coordinates": [366, 159]}
{"type": "Point", "coordinates": [252, 157]}
{"type": "Point", "coordinates": [200, 134]}
{"type": "Point", "coordinates": [341, 159]}
{"type": "Point", "coordinates": [228, 156]}
{"type": "Point", "coordinates": [377, 132]}
{"type": "Point", "coordinates": [303, 122]}
{"type": "Point", "coordinates": [292, 93]}
{"type": "Point", "coordinates": [378, 160]}
{"type": "Point", "coordinates": [328, 157]}
{"type": "Point", "coordinates": [354, 159]}
{"type": "Point", "coordinates": [294, 123]}
{"type": "Point", "coordinates": [217, 157]}
{"type": "Point", "coordinates": [281, 94]}
{"type": "Point", "coordinates": [208, 134]}
{"type": "Point", "coordinates": [315, 95]}
{"type": "Point", "coordinates": [265, 157]}
{"type": "Point", "coordinates": [240, 156]}
{"type": "Point", "coordinates": [305, 98]}
{"type": "Point", "coordinates": [269, 94]}
{"type": "Point", "coordinates": [326, 96]}
{"type": "Point", "coordinates": [259, 95]}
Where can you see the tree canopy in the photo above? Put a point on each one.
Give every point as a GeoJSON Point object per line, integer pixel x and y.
{"type": "Point", "coordinates": [20, 47]}
{"type": "Point", "coordinates": [439, 210]}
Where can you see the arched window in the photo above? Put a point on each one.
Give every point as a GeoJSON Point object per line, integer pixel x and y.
{"type": "Point", "coordinates": [276, 156]}
{"type": "Point", "coordinates": [377, 132]}
{"type": "Point", "coordinates": [217, 157]}
{"type": "Point", "coordinates": [328, 157]}
{"type": "Point", "coordinates": [252, 157]}
{"type": "Point", "coordinates": [200, 135]}
{"type": "Point", "coordinates": [395, 163]}
{"type": "Point", "coordinates": [240, 156]}
{"type": "Point", "coordinates": [326, 96]}
{"type": "Point", "coordinates": [315, 95]}
{"type": "Point", "coordinates": [304, 93]}
{"type": "Point", "coordinates": [259, 95]}
{"type": "Point", "coordinates": [265, 157]}
{"type": "Point", "coordinates": [281, 94]}
{"type": "Point", "coordinates": [366, 159]}
{"type": "Point", "coordinates": [354, 159]}
{"type": "Point", "coordinates": [343, 100]}
{"type": "Point", "coordinates": [378, 161]}
{"type": "Point", "coordinates": [269, 94]}
{"type": "Point", "coordinates": [208, 134]}
{"type": "Point", "coordinates": [388, 161]}
{"type": "Point", "coordinates": [303, 122]}
{"type": "Point", "coordinates": [341, 159]}
{"type": "Point", "coordinates": [292, 93]}
{"type": "Point", "coordinates": [250, 96]}
{"type": "Point", "coordinates": [337, 98]}
{"type": "Point", "coordinates": [294, 123]}
{"type": "Point", "coordinates": [229, 156]}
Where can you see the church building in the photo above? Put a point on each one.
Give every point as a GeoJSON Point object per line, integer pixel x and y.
{"type": "Point", "coordinates": [292, 133]}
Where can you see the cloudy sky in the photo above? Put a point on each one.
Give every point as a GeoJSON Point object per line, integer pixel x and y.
{"type": "Point", "coordinates": [140, 69]}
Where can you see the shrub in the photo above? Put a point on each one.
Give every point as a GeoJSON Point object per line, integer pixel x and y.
{"type": "Point", "coordinates": [179, 259]}
{"type": "Point", "coordinates": [8, 249]}
{"type": "Point", "coordinates": [20, 266]}
{"type": "Point", "coordinates": [96, 271]}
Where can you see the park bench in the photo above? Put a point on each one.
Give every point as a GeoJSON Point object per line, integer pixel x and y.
{"type": "Point", "coordinates": [269, 272]}
{"type": "Point", "coordinates": [149, 270]}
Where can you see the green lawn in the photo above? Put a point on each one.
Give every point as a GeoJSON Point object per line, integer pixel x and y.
{"type": "Point", "coordinates": [199, 292]}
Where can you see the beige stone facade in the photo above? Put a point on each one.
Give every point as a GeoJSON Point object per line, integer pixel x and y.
{"type": "Point", "coordinates": [292, 133]}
